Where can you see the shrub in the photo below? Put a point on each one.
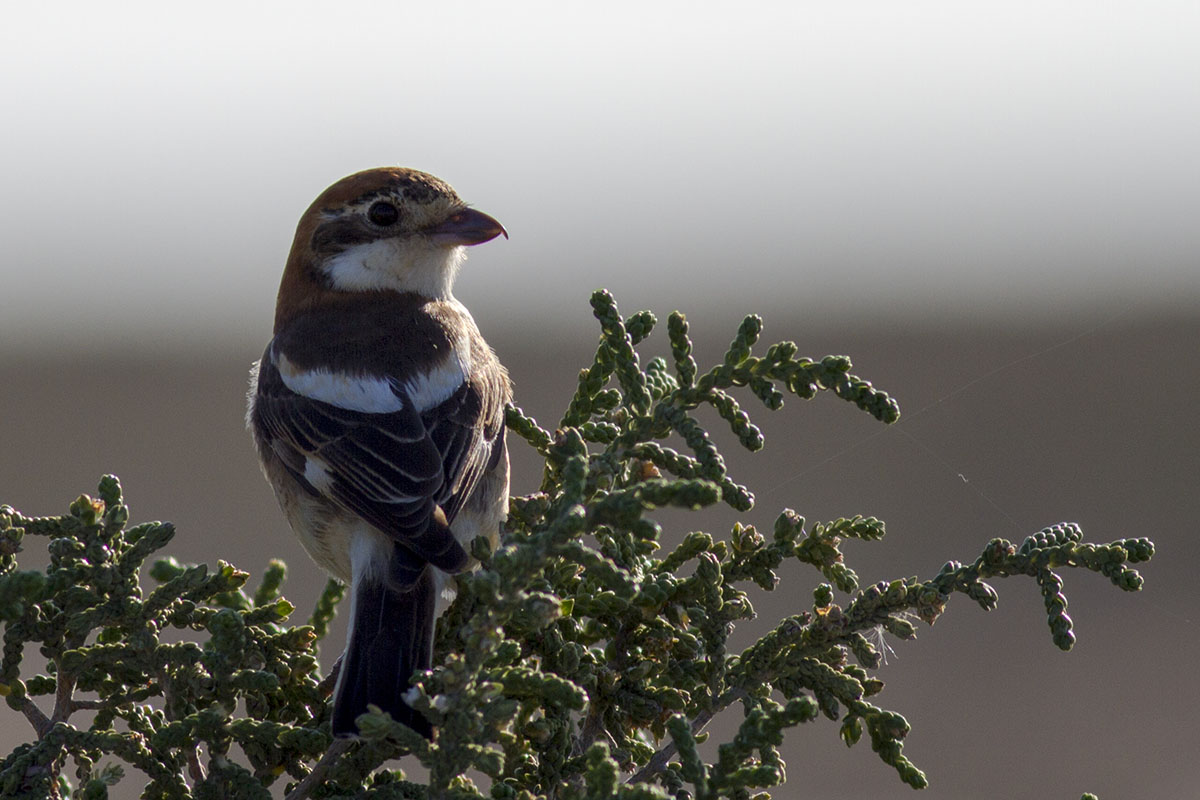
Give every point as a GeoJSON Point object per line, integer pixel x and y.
{"type": "Point", "coordinates": [581, 661]}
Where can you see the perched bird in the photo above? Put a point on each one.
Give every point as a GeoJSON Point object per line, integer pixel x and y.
{"type": "Point", "coordinates": [378, 414]}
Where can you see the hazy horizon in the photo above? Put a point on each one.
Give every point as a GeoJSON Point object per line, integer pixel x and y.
{"type": "Point", "coordinates": [931, 158]}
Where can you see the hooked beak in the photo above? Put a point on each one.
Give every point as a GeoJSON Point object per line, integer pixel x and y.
{"type": "Point", "coordinates": [466, 227]}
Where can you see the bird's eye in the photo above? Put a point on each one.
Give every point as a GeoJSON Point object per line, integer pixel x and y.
{"type": "Point", "coordinates": [383, 214]}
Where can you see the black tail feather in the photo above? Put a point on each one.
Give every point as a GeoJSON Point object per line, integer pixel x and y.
{"type": "Point", "coordinates": [391, 637]}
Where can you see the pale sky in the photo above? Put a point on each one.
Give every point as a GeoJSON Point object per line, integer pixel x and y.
{"type": "Point", "coordinates": [919, 157]}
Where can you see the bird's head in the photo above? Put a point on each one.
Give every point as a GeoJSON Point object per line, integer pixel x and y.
{"type": "Point", "coordinates": [385, 229]}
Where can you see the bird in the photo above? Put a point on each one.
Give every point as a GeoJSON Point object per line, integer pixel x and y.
{"type": "Point", "coordinates": [377, 413]}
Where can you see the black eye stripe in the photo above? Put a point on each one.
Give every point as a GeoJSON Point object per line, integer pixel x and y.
{"type": "Point", "coordinates": [383, 213]}
{"type": "Point", "coordinates": [337, 235]}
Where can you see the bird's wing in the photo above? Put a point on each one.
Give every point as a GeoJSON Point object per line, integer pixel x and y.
{"type": "Point", "coordinates": [405, 471]}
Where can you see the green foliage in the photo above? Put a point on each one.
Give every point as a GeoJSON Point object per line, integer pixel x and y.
{"type": "Point", "coordinates": [248, 684]}
{"type": "Point", "coordinates": [582, 661]}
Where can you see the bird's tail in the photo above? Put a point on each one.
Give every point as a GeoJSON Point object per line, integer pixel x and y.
{"type": "Point", "coordinates": [391, 636]}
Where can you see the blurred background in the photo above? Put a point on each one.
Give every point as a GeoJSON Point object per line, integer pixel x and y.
{"type": "Point", "coordinates": [991, 207]}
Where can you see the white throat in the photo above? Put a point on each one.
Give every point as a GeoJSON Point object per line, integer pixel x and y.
{"type": "Point", "coordinates": [403, 265]}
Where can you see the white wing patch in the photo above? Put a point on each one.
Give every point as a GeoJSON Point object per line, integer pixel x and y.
{"type": "Point", "coordinates": [364, 393]}
{"type": "Point", "coordinates": [431, 388]}
{"type": "Point", "coordinates": [316, 472]}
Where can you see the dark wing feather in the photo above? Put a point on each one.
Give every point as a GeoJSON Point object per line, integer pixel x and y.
{"type": "Point", "coordinates": [395, 470]}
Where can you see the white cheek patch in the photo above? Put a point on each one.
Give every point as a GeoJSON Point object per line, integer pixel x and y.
{"type": "Point", "coordinates": [405, 265]}
{"type": "Point", "coordinates": [364, 266]}
{"type": "Point", "coordinates": [364, 393]}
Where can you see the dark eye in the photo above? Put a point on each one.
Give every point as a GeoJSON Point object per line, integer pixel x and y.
{"type": "Point", "coordinates": [383, 214]}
